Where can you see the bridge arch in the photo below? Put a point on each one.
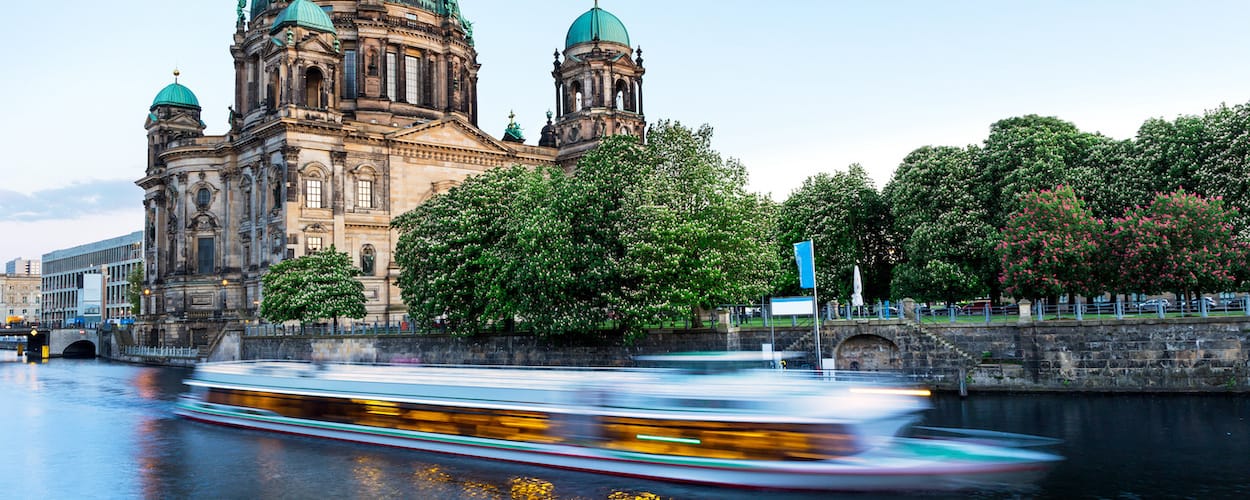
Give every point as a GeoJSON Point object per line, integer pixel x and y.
{"type": "Point", "coordinates": [80, 349]}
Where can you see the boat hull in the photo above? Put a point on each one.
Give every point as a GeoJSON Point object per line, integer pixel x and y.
{"type": "Point", "coordinates": [904, 465]}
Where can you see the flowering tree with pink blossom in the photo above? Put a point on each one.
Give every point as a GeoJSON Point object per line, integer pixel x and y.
{"type": "Point", "coordinates": [1181, 242]}
{"type": "Point", "coordinates": [1051, 246]}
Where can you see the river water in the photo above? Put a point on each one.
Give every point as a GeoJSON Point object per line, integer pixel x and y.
{"type": "Point", "coordinates": [97, 429]}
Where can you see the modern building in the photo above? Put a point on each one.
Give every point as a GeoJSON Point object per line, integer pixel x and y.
{"type": "Point", "coordinates": [19, 299]}
{"type": "Point", "coordinates": [346, 114]}
{"type": "Point", "coordinates": [77, 280]}
{"type": "Point", "coordinates": [22, 266]}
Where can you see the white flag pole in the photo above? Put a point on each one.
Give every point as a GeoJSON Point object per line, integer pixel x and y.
{"type": "Point", "coordinates": [816, 305]}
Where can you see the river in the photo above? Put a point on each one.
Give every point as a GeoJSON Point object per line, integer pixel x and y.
{"type": "Point", "coordinates": [98, 429]}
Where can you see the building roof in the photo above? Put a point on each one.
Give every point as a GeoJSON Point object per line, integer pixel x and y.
{"type": "Point", "coordinates": [306, 14]}
{"type": "Point", "coordinates": [259, 6]}
{"type": "Point", "coordinates": [175, 94]}
{"type": "Point", "coordinates": [596, 25]}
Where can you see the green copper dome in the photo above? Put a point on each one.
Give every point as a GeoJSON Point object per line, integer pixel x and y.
{"type": "Point", "coordinates": [175, 94]}
{"type": "Point", "coordinates": [596, 25]}
{"type": "Point", "coordinates": [303, 13]}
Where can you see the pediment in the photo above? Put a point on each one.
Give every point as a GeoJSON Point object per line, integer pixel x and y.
{"type": "Point", "coordinates": [451, 132]}
{"type": "Point", "coordinates": [176, 120]}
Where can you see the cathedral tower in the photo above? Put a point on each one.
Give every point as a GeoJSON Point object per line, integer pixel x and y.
{"type": "Point", "coordinates": [598, 85]}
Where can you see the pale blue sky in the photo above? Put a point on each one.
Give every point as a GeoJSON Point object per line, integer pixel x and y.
{"type": "Point", "coordinates": [792, 88]}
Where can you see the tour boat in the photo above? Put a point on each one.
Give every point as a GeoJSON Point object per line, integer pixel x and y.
{"type": "Point", "coordinates": [765, 429]}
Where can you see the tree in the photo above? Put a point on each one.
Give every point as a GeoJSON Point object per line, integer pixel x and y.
{"type": "Point", "coordinates": [134, 290]}
{"type": "Point", "coordinates": [458, 252]}
{"type": "Point", "coordinates": [1181, 242]}
{"type": "Point", "coordinates": [637, 234]}
{"type": "Point", "coordinates": [947, 241]}
{"type": "Point", "coordinates": [319, 285]}
{"type": "Point", "coordinates": [849, 224]}
{"type": "Point", "coordinates": [1225, 169]}
{"type": "Point", "coordinates": [1051, 246]}
{"type": "Point", "coordinates": [693, 236]}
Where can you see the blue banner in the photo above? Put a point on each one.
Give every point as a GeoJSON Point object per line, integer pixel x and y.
{"type": "Point", "coordinates": [807, 264]}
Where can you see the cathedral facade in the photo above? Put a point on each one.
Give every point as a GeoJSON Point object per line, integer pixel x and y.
{"type": "Point", "coordinates": [346, 114]}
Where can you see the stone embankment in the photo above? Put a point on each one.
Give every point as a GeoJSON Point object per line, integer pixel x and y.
{"type": "Point", "coordinates": [1130, 355]}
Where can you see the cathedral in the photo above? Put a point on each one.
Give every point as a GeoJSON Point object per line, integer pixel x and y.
{"type": "Point", "coordinates": [345, 115]}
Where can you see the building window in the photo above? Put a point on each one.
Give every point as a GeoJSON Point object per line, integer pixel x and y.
{"type": "Point", "coordinates": [204, 255]}
{"type": "Point", "coordinates": [314, 193]}
{"type": "Point", "coordinates": [392, 70]}
{"type": "Point", "coordinates": [314, 244]}
{"type": "Point", "coordinates": [349, 75]}
{"type": "Point", "coordinates": [202, 198]}
{"type": "Point", "coordinates": [367, 256]}
{"type": "Point", "coordinates": [412, 80]}
{"type": "Point", "coordinates": [364, 194]}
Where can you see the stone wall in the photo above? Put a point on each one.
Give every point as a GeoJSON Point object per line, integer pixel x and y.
{"type": "Point", "coordinates": [1177, 354]}
{"type": "Point", "coordinates": [1187, 354]}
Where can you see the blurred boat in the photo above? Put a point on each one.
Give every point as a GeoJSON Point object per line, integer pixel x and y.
{"type": "Point", "coordinates": [710, 422]}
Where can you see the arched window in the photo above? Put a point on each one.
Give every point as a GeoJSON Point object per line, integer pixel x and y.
{"type": "Point", "coordinates": [313, 83]}
{"type": "Point", "coordinates": [367, 256]}
{"type": "Point", "coordinates": [577, 96]}
{"type": "Point", "coordinates": [202, 198]}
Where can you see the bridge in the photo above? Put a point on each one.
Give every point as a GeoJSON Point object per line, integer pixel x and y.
{"type": "Point", "coordinates": [61, 342]}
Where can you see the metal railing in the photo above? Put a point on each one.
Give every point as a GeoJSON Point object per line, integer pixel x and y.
{"type": "Point", "coordinates": [161, 352]}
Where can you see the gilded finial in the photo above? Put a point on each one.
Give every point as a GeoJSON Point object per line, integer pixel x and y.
{"type": "Point", "coordinates": [176, 73]}
{"type": "Point", "coordinates": [511, 117]}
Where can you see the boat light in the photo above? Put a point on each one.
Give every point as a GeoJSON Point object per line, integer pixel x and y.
{"type": "Point", "coordinates": [892, 392]}
{"type": "Point", "coordinates": [666, 439]}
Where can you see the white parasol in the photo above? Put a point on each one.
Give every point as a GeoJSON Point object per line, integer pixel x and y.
{"type": "Point", "coordinates": [857, 289]}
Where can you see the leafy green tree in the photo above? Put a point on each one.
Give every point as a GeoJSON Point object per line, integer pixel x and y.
{"type": "Point", "coordinates": [849, 224]}
{"type": "Point", "coordinates": [1169, 153]}
{"type": "Point", "coordinates": [637, 234]}
{"type": "Point", "coordinates": [457, 252]}
{"type": "Point", "coordinates": [1031, 153]}
{"type": "Point", "coordinates": [319, 285]}
{"type": "Point", "coordinates": [1225, 169]}
{"type": "Point", "coordinates": [1051, 246]}
{"type": "Point", "coordinates": [1026, 154]}
{"type": "Point", "coordinates": [1120, 183]}
{"type": "Point", "coordinates": [1181, 242]}
{"type": "Point", "coordinates": [947, 241]}
{"type": "Point", "coordinates": [693, 236]}
{"type": "Point", "coordinates": [134, 290]}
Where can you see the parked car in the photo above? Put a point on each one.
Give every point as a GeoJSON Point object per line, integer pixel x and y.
{"type": "Point", "coordinates": [1233, 303]}
{"type": "Point", "coordinates": [1195, 304]}
{"type": "Point", "coordinates": [976, 307]}
{"type": "Point", "coordinates": [1153, 304]}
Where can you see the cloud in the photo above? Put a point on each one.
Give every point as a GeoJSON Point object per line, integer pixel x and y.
{"type": "Point", "coordinates": [70, 202]}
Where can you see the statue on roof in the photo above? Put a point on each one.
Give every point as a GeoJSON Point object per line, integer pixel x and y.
{"type": "Point", "coordinates": [239, 11]}
{"type": "Point", "coordinates": [513, 132]}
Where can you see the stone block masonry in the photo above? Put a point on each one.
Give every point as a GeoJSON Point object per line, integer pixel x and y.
{"type": "Point", "coordinates": [1131, 355]}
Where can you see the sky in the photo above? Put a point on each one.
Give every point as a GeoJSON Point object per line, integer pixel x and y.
{"type": "Point", "coordinates": [792, 88]}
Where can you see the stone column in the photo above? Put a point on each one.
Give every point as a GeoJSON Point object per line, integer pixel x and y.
{"type": "Point", "coordinates": [1026, 310]}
